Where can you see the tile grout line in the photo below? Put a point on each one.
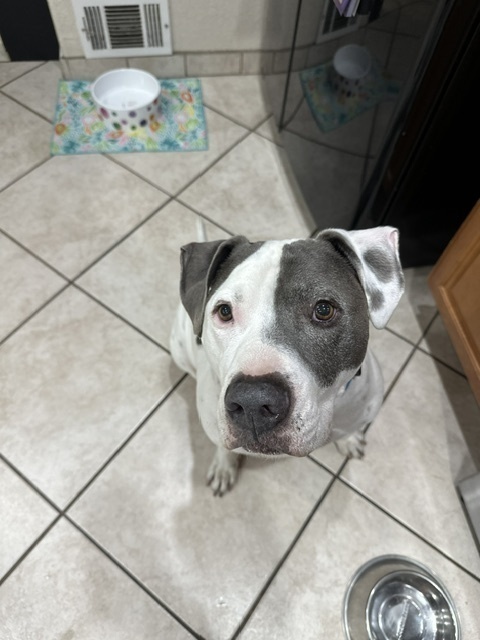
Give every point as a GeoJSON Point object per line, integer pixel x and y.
{"type": "Point", "coordinates": [29, 549]}
{"type": "Point", "coordinates": [247, 134]}
{"type": "Point", "coordinates": [75, 285]}
{"type": "Point", "coordinates": [406, 526]}
{"type": "Point", "coordinates": [25, 174]}
{"type": "Point", "coordinates": [120, 241]}
{"type": "Point", "coordinates": [33, 254]}
{"type": "Point", "coordinates": [34, 313]}
{"type": "Point", "coordinates": [30, 483]}
{"type": "Point", "coordinates": [204, 216]}
{"type": "Point", "coordinates": [42, 63]}
{"type": "Point", "coordinates": [283, 559]}
{"type": "Point", "coordinates": [175, 195]}
{"type": "Point", "coordinates": [119, 316]}
{"type": "Point", "coordinates": [132, 576]}
{"type": "Point", "coordinates": [63, 511]}
{"type": "Point", "coordinates": [326, 146]}
{"type": "Point", "coordinates": [444, 362]}
{"type": "Point", "coordinates": [150, 413]}
{"type": "Point", "coordinates": [27, 107]}
{"type": "Point", "coordinates": [109, 556]}
{"type": "Point", "coordinates": [248, 127]}
{"type": "Point", "coordinates": [112, 157]}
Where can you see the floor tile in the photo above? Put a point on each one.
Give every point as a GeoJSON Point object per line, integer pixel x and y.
{"type": "Point", "coordinates": [25, 141]}
{"type": "Point", "coordinates": [240, 98]}
{"type": "Point", "coordinates": [251, 191]}
{"type": "Point", "coordinates": [25, 284]}
{"type": "Point", "coordinates": [140, 279]}
{"type": "Point", "coordinates": [391, 353]}
{"type": "Point", "coordinates": [306, 598]}
{"type": "Point", "coordinates": [417, 448]}
{"type": "Point", "coordinates": [70, 227]}
{"type": "Point", "coordinates": [11, 70]}
{"type": "Point", "coordinates": [173, 171]}
{"type": "Point", "coordinates": [38, 89]}
{"type": "Point", "coordinates": [78, 382]}
{"type": "Point", "coordinates": [439, 344]}
{"type": "Point", "coordinates": [67, 588]}
{"type": "Point", "coordinates": [25, 515]}
{"type": "Point", "coordinates": [207, 557]}
{"type": "Point", "coordinates": [74, 382]}
{"type": "Point", "coordinates": [416, 308]}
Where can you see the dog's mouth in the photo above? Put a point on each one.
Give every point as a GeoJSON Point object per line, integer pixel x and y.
{"type": "Point", "coordinates": [270, 445]}
{"type": "Point", "coordinates": [263, 449]}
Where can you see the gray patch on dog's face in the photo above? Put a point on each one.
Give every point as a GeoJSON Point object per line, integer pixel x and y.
{"type": "Point", "coordinates": [310, 271]}
{"type": "Point", "coordinates": [241, 253]}
{"type": "Point", "coordinates": [379, 263]}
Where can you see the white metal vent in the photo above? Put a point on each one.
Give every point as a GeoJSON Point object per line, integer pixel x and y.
{"type": "Point", "coordinates": [119, 28]}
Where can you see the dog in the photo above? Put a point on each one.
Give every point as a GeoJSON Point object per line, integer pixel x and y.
{"type": "Point", "coordinates": [276, 335]}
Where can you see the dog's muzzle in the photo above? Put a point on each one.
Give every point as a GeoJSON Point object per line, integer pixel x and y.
{"type": "Point", "coordinates": [256, 405]}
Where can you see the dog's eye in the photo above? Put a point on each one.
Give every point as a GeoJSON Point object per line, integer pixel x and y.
{"type": "Point", "coordinates": [224, 312]}
{"type": "Point", "coordinates": [324, 311]}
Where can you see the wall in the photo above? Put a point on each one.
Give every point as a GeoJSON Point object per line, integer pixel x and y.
{"type": "Point", "coordinates": [209, 37]}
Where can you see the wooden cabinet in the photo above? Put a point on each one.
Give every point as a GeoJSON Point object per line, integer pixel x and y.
{"type": "Point", "coordinates": [455, 284]}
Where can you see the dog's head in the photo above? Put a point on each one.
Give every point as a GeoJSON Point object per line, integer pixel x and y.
{"type": "Point", "coordinates": [285, 326]}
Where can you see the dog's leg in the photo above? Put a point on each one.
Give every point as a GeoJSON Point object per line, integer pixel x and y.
{"type": "Point", "coordinates": [352, 446]}
{"type": "Point", "coordinates": [223, 471]}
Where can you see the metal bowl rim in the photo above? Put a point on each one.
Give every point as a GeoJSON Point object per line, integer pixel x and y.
{"type": "Point", "coordinates": [416, 565]}
{"type": "Point", "coordinates": [430, 578]}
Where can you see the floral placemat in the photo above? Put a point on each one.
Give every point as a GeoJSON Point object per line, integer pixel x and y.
{"type": "Point", "coordinates": [180, 125]}
{"type": "Point", "coordinates": [331, 110]}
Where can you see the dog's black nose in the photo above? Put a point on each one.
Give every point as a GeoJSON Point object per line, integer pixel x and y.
{"type": "Point", "coordinates": [257, 403]}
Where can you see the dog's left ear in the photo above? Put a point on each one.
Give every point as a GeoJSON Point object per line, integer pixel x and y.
{"type": "Point", "coordinates": [200, 262]}
{"type": "Point", "coordinates": [374, 255]}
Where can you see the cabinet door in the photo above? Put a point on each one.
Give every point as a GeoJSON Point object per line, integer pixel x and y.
{"type": "Point", "coordinates": [455, 284]}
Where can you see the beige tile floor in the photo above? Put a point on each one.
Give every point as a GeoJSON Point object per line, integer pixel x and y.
{"type": "Point", "coordinates": [107, 529]}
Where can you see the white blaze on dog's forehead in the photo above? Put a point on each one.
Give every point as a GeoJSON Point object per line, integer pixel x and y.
{"type": "Point", "coordinates": [254, 277]}
{"type": "Point", "coordinates": [250, 289]}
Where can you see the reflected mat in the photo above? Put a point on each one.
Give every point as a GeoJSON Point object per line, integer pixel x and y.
{"type": "Point", "coordinates": [331, 110]}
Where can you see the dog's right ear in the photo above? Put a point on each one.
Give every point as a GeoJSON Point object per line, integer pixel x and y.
{"type": "Point", "coordinates": [200, 262]}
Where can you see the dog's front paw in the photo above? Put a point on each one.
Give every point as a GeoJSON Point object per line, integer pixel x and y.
{"type": "Point", "coordinates": [352, 446]}
{"type": "Point", "coordinates": [223, 471]}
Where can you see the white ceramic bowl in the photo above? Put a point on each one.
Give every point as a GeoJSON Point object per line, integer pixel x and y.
{"type": "Point", "coordinates": [351, 65]}
{"type": "Point", "coordinates": [126, 99]}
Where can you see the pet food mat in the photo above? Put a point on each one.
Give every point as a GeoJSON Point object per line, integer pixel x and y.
{"type": "Point", "coordinates": [180, 126]}
{"type": "Point", "coordinates": [331, 110]}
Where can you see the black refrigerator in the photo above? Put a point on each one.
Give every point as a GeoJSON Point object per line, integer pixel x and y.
{"type": "Point", "coordinates": [408, 157]}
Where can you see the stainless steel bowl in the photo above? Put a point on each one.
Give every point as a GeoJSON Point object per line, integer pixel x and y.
{"type": "Point", "coordinates": [395, 598]}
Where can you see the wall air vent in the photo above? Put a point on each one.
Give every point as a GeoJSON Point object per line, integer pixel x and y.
{"type": "Point", "coordinates": [123, 28]}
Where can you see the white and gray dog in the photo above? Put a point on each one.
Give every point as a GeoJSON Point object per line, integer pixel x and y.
{"type": "Point", "coordinates": [276, 334]}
